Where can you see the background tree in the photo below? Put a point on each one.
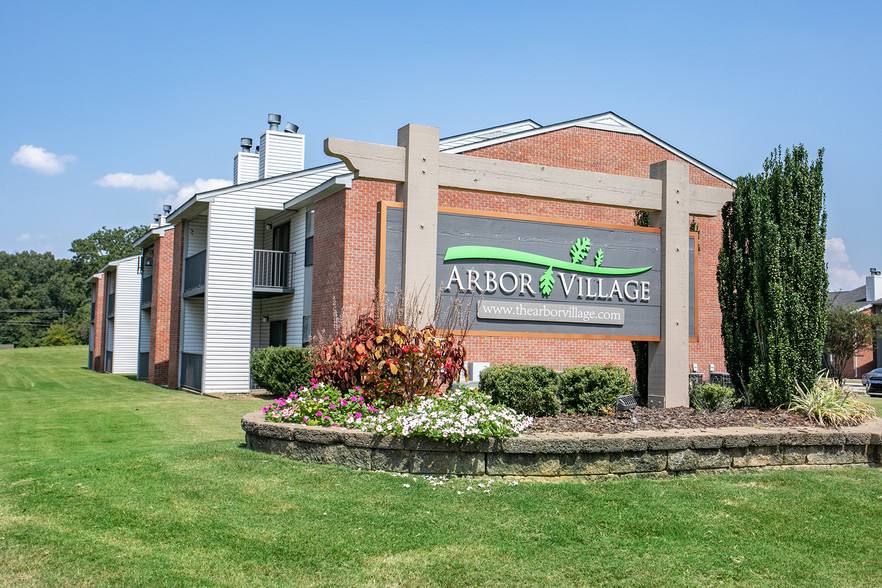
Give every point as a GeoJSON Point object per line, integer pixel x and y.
{"type": "Point", "coordinates": [771, 277]}
{"type": "Point", "coordinates": [92, 253]}
{"type": "Point", "coordinates": [849, 332]}
{"type": "Point", "coordinates": [38, 291]}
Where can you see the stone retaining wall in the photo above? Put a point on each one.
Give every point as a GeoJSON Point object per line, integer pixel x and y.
{"type": "Point", "coordinates": [641, 453]}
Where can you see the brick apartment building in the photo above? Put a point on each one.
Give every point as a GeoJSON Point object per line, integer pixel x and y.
{"type": "Point", "coordinates": [271, 259]}
{"type": "Point", "coordinates": [866, 299]}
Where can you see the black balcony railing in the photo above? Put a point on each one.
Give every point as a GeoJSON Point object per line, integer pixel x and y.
{"type": "Point", "coordinates": [194, 271]}
{"type": "Point", "coordinates": [147, 291]}
{"type": "Point", "coordinates": [191, 371]}
{"type": "Point", "coordinates": [273, 271]}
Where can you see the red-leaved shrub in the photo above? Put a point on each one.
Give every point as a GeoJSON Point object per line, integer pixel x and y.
{"type": "Point", "coordinates": [393, 364]}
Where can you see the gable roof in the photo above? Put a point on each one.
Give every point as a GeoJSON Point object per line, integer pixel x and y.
{"type": "Point", "coordinates": [856, 298]}
{"type": "Point", "coordinates": [607, 121]}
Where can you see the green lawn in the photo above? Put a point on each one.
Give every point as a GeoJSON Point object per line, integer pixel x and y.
{"type": "Point", "coordinates": [106, 481]}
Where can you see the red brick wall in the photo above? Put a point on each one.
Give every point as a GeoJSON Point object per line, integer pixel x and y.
{"type": "Point", "coordinates": [161, 309]}
{"type": "Point", "coordinates": [328, 242]}
{"type": "Point", "coordinates": [98, 349]}
{"type": "Point", "coordinates": [174, 319]}
{"type": "Point", "coordinates": [575, 148]}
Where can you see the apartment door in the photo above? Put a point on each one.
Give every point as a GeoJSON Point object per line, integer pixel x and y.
{"type": "Point", "coordinates": [281, 242]}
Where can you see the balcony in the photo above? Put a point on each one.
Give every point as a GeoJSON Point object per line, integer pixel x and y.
{"type": "Point", "coordinates": [194, 274]}
{"type": "Point", "coordinates": [147, 291]}
{"type": "Point", "coordinates": [273, 273]}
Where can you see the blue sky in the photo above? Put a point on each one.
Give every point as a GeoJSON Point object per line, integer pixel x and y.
{"type": "Point", "coordinates": [110, 109]}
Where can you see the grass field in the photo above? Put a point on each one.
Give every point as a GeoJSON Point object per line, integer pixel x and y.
{"type": "Point", "coordinates": [106, 481]}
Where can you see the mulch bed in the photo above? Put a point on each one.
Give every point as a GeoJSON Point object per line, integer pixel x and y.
{"type": "Point", "coordinates": [656, 419]}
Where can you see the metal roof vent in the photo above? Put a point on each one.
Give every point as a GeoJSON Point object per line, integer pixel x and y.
{"type": "Point", "coordinates": [274, 121]}
{"type": "Point", "coordinates": [291, 128]}
{"type": "Point", "coordinates": [245, 142]}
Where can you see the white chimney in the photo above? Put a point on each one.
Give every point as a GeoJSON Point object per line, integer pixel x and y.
{"type": "Point", "coordinates": [245, 164]}
{"type": "Point", "coordinates": [874, 285]}
{"type": "Point", "coordinates": [281, 152]}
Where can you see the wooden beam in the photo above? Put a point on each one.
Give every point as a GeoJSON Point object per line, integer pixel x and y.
{"type": "Point", "coordinates": [369, 161]}
{"type": "Point", "coordinates": [465, 172]}
{"type": "Point", "coordinates": [707, 201]}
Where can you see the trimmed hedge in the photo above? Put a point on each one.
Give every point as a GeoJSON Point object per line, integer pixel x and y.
{"type": "Point", "coordinates": [280, 370]}
{"type": "Point", "coordinates": [712, 398]}
{"type": "Point", "coordinates": [528, 389]}
{"type": "Point", "coordinates": [593, 389]}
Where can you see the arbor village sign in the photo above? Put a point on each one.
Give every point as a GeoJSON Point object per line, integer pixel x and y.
{"type": "Point", "coordinates": [534, 275]}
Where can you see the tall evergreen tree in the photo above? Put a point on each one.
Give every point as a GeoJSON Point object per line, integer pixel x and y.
{"type": "Point", "coordinates": [772, 279]}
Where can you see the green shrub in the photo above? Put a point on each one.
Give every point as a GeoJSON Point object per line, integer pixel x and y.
{"type": "Point", "coordinates": [829, 403]}
{"type": "Point", "coordinates": [712, 398]}
{"type": "Point", "coordinates": [593, 389]}
{"type": "Point", "coordinates": [280, 370]}
{"type": "Point", "coordinates": [58, 335]}
{"type": "Point", "coordinates": [528, 389]}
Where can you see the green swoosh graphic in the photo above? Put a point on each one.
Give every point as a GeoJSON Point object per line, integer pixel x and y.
{"type": "Point", "coordinates": [500, 254]}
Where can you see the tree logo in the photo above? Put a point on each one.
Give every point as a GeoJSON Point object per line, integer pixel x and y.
{"type": "Point", "coordinates": [578, 254]}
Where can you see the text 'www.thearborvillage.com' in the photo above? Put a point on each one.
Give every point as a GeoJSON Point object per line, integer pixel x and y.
{"type": "Point", "coordinates": [551, 312]}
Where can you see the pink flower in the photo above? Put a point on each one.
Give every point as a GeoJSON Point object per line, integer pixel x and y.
{"type": "Point", "coordinates": [318, 413]}
{"type": "Point", "coordinates": [358, 415]}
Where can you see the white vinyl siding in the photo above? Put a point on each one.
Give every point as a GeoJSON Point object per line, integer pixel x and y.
{"type": "Point", "coordinates": [280, 153]}
{"type": "Point", "coordinates": [193, 325]}
{"type": "Point", "coordinates": [231, 327]}
{"type": "Point", "coordinates": [126, 317]}
{"type": "Point", "coordinates": [197, 235]}
{"type": "Point", "coordinates": [245, 168]}
{"type": "Point", "coordinates": [228, 295]}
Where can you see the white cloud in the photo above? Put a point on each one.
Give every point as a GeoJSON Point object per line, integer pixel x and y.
{"type": "Point", "coordinates": [156, 181]}
{"type": "Point", "coordinates": [23, 237]}
{"type": "Point", "coordinates": [197, 186]}
{"type": "Point", "coordinates": [842, 275]}
{"type": "Point", "coordinates": [40, 160]}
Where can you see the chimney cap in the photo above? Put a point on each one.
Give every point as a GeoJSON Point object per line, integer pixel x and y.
{"type": "Point", "coordinates": [291, 128]}
{"type": "Point", "coordinates": [245, 143]}
{"type": "Point", "coordinates": [166, 208]}
{"type": "Point", "coordinates": [874, 271]}
{"type": "Point", "coordinates": [274, 121]}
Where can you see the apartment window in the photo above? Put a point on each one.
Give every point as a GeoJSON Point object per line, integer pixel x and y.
{"type": "Point", "coordinates": [310, 225]}
{"type": "Point", "coordinates": [307, 331]}
{"type": "Point", "coordinates": [278, 333]}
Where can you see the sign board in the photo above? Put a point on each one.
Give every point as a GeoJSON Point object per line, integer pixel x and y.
{"type": "Point", "coordinates": [541, 277]}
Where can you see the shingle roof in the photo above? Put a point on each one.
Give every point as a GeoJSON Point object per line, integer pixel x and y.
{"type": "Point", "coordinates": [856, 297]}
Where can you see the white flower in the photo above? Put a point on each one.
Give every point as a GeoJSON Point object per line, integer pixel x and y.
{"type": "Point", "coordinates": [406, 485]}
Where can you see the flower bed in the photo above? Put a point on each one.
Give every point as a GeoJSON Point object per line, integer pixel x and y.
{"type": "Point", "coordinates": [458, 414]}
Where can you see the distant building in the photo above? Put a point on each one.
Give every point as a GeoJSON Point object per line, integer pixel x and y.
{"type": "Point", "coordinates": [868, 300]}
{"type": "Point", "coordinates": [113, 333]}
